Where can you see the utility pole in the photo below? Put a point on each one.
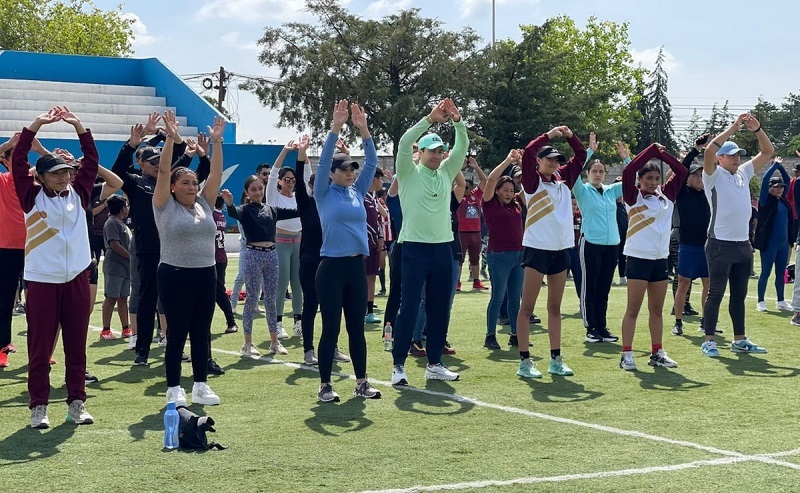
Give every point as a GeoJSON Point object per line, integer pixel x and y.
{"type": "Point", "coordinates": [223, 82]}
{"type": "Point", "coordinates": [494, 22]}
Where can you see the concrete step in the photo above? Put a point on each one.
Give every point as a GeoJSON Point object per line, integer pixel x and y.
{"type": "Point", "coordinates": [100, 128]}
{"type": "Point", "coordinates": [72, 98]}
{"type": "Point", "coordinates": [29, 115]}
{"type": "Point", "coordinates": [33, 85]}
{"type": "Point", "coordinates": [43, 105]}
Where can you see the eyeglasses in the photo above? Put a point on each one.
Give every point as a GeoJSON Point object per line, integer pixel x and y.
{"type": "Point", "coordinates": [289, 179]}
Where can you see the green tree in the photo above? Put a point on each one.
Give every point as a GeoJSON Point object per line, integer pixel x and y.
{"type": "Point", "coordinates": [396, 67]}
{"type": "Point", "coordinates": [558, 74]}
{"type": "Point", "coordinates": [693, 130]}
{"type": "Point", "coordinates": [75, 27]}
{"type": "Point", "coordinates": [656, 122]}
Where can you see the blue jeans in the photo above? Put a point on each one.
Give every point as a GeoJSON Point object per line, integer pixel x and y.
{"type": "Point", "coordinates": [506, 273]}
{"type": "Point", "coordinates": [429, 265]}
{"type": "Point", "coordinates": [422, 319]}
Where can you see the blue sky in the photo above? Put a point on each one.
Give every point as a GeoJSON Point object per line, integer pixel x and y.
{"type": "Point", "coordinates": [736, 50]}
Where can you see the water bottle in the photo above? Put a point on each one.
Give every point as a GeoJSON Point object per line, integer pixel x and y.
{"type": "Point", "coordinates": [171, 422]}
{"type": "Point", "coordinates": [388, 340]}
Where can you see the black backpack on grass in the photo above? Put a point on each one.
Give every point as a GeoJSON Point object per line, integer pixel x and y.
{"type": "Point", "coordinates": [192, 431]}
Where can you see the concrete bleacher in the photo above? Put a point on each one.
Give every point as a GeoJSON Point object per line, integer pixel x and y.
{"type": "Point", "coordinates": [108, 109]}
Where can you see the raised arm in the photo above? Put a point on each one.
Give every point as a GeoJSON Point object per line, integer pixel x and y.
{"type": "Point", "coordinates": [301, 193]}
{"type": "Point", "coordinates": [784, 175]}
{"type": "Point", "coordinates": [340, 116]}
{"type": "Point", "coordinates": [214, 180]}
{"type": "Point", "coordinates": [272, 184]}
{"type": "Point", "coordinates": [161, 193]}
{"type": "Point", "coordinates": [112, 182]}
{"type": "Point", "coordinates": [571, 171]}
{"type": "Point", "coordinates": [459, 187]}
{"type": "Point", "coordinates": [233, 211]}
{"type": "Point", "coordinates": [679, 174]}
{"type": "Point", "coordinates": [392, 192]}
{"type": "Point", "coordinates": [530, 174]}
{"type": "Point", "coordinates": [24, 183]}
{"type": "Point", "coordinates": [472, 163]}
{"type": "Point", "coordinates": [514, 156]}
{"type": "Point", "coordinates": [87, 173]}
{"type": "Point", "coordinates": [204, 165]}
{"type": "Point", "coordinates": [710, 157]}
{"type": "Point", "coordinates": [364, 180]}
{"type": "Point", "coordinates": [765, 148]}
{"type": "Point", "coordinates": [629, 189]}
{"type": "Point", "coordinates": [302, 156]}
{"type": "Point", "coordinates": [404, 163]}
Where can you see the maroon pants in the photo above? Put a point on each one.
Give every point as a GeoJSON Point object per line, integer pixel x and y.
{"type": "Point", "coordinates": [470, 243]}
{"type": "Point", "coordinates": [49, 305]}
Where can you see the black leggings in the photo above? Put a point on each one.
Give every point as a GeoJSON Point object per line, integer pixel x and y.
{"type": "Point", "coordinates": [148, 300]}
{"type": "Point", "coordinates": [396, 278]}
{"type": "Point", "coordinates": [223, 301]}
{"type": "Point", "coordinates": [342, 281]}
{"type": "Point", "coordinates": [11, 264]}
{"type": "Point", "coordinates": [308, 274]}
{"type": "Point", "coordinates": [188, 299]}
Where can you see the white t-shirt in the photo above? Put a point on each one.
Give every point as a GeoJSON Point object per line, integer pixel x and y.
{"type": "Point", "coordinates": [728, 195]}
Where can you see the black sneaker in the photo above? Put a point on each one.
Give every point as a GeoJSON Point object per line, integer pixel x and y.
{"type": "Point", "coordinates": [233, 328]}
{"type": "Point", "coordinates": [689, 311]}
{"type": "Point", "coordinates": [606, 335]}
{"type": "Point", "coordinates": [503, 321]}
{"type": "Point", "coordinates": [89, 378]}
{"type": "Point", "coordinates": [677, 329]}
{"type": "Point", "coordinates": [535, 319]}
{"type": "Point", "coordinates": [491, 342]}
{"type": "Point", "coordinates": [417, 350]}
{"type": "Point", "coordinates": [593, 335]}
{"type": "Point", "coordinates": [214, 368]}
{"type": "Point", "coordinates": [141, 360]}
{"type": "Point", "coordinates": [512, 341]}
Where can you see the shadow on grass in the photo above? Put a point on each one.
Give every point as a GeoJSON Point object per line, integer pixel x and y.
{"type": "Point", "coordinates": [437, 398]}
{"type": "Point", "coordinates": [667, 379]}
{"type": "Point", "coordinates": [13, 376]}
{"type": "Point", "coordinates": [331, 419]}
{"type": "Point", "coordinates": [750, 365]}
{"type": "Point", "coordinates": [510, 355]}
{"type": "Point", "coordinates": [28, 444]}
{"type": "Point", "coordinates": [602, 350]}
{"type": "Point", "coordinates": [152, 422]}
{"type": "Point", "coordinates": [560, 390]}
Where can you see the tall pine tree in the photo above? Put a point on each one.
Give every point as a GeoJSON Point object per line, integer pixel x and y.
{"type": "Point", "coordinates": [656, 123]}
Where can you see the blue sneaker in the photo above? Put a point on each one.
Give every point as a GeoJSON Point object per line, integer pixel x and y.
{"type": "Point", "coordinates": [528, 370]}
{"type": "Point", "coordinates": [745, 346]}
{"type": "Point", "coordinates": [558, 367]}
{"type": "Point", "coordinates": [371, 318]}
{"type": "Point", "coordinates": [709, 348]}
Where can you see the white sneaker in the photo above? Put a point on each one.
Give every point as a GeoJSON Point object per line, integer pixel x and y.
{"type": "Point", "coordinates": [661, 359]}
{"type": "Point", "coordinates": [298, 329]}
{"type": "Point", "coordinates": [440, 372]}
{"type": "Point", "coordinates": [282, 332]}
{"type": "Point", "coordinates": [132, 343]}
{"type": "Point", "coordinates": [250, 350]}
{"type": "Point", "coordinates": [626, 362]}
{"type": "Point", "coordinates": [202, 394]}
{"type": "Point", "coordinates": [39, 417]}
{"type": "Point", "coordinates": [340, 356]}
{"type": "Point", "coordinates": [261, 309]}
{"type": "Point", "coordinates": [783, 305]}
{"type": "Point", "coordinates": [310, 358]}
{"type": "Point", "coordinates": [761, 306]}
{"type": "Point", "coordinates": [176, 395]}
{"type": "Point", "coordinates": [234, 309]}
{"type": "Point", "coordinates": [277, 348]}
{"type": "Point", "coordinates": [76, 413]}
{"type": "Point", "coordinates": [399, 376]}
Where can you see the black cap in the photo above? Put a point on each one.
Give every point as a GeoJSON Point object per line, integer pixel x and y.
{"type": "Point", "coordinates": [342, 161]}
{"type": "Point", "coordinates": [515, 171]}
{"type": "Point", "coordinates": [551, 152]}
{"type": "Point", "coordinates": [695, 168]}
{"type": "Point", "coordinates": [150, 153]}
{"type": "Point", "coordinates": [50, 163]}
{"type": "Point", "coordinates": [776, 181]}
{"type": "Point", "coordinates": [797, 166]}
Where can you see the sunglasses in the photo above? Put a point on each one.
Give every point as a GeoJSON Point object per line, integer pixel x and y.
{"type": "Point", "coordinates": [289, 179]}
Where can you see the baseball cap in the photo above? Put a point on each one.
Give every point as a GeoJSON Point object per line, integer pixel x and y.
{"type": "Point", "coordinates": [776, 181]}
{"type": "Point", "coordinates": [342, 161]}
{"type": "Point", "coordinates": [51, 163]}
{"type": "Point", "coordinates": [551, 152]}
{"type": "Point", "coordinates": [797, 166]}
{"type": "Point", "coordinates": [730, 148]}
{"type": "Point", "coordinates": [432, 141]}
{"type": "Point", "coordinates": [515, 171]}
{"type": "Point", "coordinates": [150, 153]}
{"type": "Point", "coordinates": [694, 168]}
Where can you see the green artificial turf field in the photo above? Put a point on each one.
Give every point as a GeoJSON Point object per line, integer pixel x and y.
{"type": "Point", "coordinates": [727, 424]}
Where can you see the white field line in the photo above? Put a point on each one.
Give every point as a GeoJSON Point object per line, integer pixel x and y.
{"type": "Point", "coordinates": [567, 477]}
{"type": "Point", "coordinates": [768, 459]}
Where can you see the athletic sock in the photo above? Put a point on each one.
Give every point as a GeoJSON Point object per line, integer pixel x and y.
{"type": "Point", "coordinates": [370, 307]}
{"type": "Point", "coordinates": [125, 327]}
{"type": "Point", "coordinates": [657, 347]}
{"type": "Point", "coordinates": [678, 321]}
{"type": "Point", "coordinates": [555, 353]}
{"type": "Point", "coordinates": [524, 354]}
{"type": "Point", "coordinates": [297, 317]}
{"type": "Point", "coordinates": [106, 328]}
{"type": "Point", "coordinates": [627, 348]}
{"type": "Point", "coordinates": [382, 278]}
{"type": "Point", "coordinates": [280, 318]}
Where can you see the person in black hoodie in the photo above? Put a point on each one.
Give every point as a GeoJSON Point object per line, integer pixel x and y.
{"type": "Point", "coordinates": [694, 214]}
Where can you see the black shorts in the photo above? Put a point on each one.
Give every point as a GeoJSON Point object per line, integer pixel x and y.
{"type": "Point", "coordinates": [548, 262]}
{"type": "Point", "coordinates": [647, 270]}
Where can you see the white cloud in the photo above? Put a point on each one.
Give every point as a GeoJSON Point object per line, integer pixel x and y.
{"type": "Point", "coordinates": [251, 11]}
{"type": "Point", "coordinates": [233, 40]}
{"type": "Point", "coordinates": [382, 8]}
{"type": "Point", "coordinates": [647, 59]}
{"type": "Point", "coordinates": [141, 36]}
